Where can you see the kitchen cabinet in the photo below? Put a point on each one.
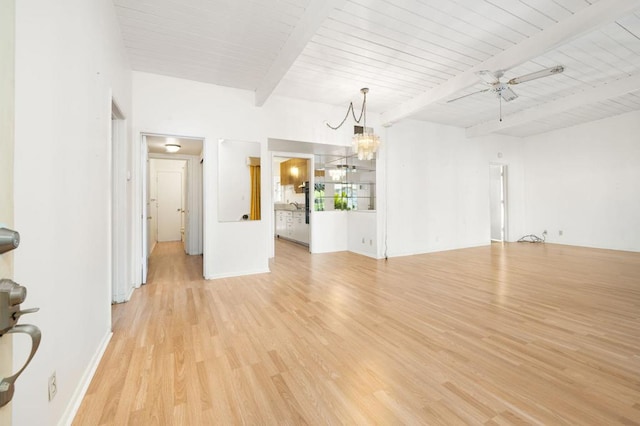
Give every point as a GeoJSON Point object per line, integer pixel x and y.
{"type": "Point", "coordinates": [299, 229]}
{"type": "Point", "coordinates": [285, 173]}
{"type": "Point", "coordinates": [282, 218]}
{"type": "Point", "coordinates": [294, 172]}
{"type": "Point", "coordinates": [291, 225]}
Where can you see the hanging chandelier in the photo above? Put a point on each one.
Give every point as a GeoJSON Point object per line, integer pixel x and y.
{"type": "Point", "coordinates": [366, 143]}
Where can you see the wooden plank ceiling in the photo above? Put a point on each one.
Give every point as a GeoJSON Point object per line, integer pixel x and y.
{"type": "Point", "coordinates": [414, 55]}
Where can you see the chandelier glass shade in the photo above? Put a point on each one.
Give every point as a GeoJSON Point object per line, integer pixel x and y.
{"type": "Point", "coordinates": [364, 144]}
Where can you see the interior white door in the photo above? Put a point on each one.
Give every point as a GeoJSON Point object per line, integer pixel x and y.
{"type": "Point", "coordinates": [169, 206]}
{"type": "Point", "coordinates": [497, 200]}
{"type": "Point", "coordinates": [7, 114]}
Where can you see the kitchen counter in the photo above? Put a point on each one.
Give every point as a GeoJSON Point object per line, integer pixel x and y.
{"type": "Point", "coordinates": [288, 207]}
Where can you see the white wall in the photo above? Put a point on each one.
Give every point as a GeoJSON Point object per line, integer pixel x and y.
{"type": "Point", "coordinates": [362, 232]}
{"type": "Point", "coordinates": [436, 194]}
{"type": "Point", "coordinates": [330, 231]}
{"type": "Point", "coordinates": [69, 60]}
{"type": "Point", "coordinates": [585, 181]}
{"type": "Point", "coordinates": [168, 105]}
{"type": "Point", "coordinates": [582, 180]}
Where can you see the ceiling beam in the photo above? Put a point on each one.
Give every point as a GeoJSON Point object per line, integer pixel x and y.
{"type": "Point", "coordinates": [590, 96]}
{"type": "Point", "coordinates": [314, 15]}
{"type": "Point", "coordinates": [588, 19]}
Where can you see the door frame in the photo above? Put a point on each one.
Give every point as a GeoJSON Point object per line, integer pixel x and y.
{"type": "Point", "coordinates": [504, 202]}
{"type": "Point", "coordinates": [197, 195]}
{"type": "Point", "coordinates": [121, 289]}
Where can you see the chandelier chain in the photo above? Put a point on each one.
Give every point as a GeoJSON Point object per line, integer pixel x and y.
{"type": "Point", "coordinates": [365, 143]}
{"type": "Point", "coordinates": [353, 113]}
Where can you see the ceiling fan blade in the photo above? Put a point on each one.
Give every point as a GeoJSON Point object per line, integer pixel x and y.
{"type": "Point", "coordinates": [538, 74]}
{"type": "Point", "coordinates": [468, 94]}
{"type": "Point", "coordinates": [490, 77]}
{"type": "Point", "coordinates": [507, 94]}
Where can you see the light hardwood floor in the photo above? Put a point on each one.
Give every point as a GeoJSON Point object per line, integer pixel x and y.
{"type": "Point", "coordinates": [514, 334]}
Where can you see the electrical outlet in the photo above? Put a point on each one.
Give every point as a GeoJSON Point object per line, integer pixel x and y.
{"type": "Point", "coordinates": [53, 386]}
{"type": "Point", "coordinates": [560, 232]}
{"type": "Point", "coordinates": [362, 240]}
{"type": "Point", "coordinates": [371, 243]}
{"type": "Point", "coordinates": [544, 232]}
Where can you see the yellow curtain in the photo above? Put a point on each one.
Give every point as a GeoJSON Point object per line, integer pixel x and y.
{"type": "Point", "coordinates": [255, 192]}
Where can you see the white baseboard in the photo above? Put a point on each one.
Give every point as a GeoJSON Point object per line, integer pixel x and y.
{"type": "Point", "coordinates": [78, 395]}
{"type": "Point", "coordinates": [365, 253]}
{"type": "Point", "coordinates": [131, 290]}
{"type": "Point", "coordinates": [438, 250]}
{"type": "Point", "coordinates": [237, 274]}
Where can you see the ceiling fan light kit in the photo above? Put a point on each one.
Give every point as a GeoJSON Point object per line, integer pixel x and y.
{"type": "Point", "coordinates": [505, 92]}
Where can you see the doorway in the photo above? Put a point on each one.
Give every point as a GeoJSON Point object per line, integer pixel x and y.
{"type": "Point", "coordinates": [292, 202]}
{"type": "Point", "coordinates": [172, 194]}
{"type": "Point", "coordinates": [498, 201]}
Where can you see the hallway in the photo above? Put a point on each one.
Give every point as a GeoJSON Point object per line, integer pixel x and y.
{"type": "Point", "coordinates": [496, 334]}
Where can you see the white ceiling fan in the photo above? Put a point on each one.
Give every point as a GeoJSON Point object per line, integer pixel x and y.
{"type": "Point", "coordinates": [503, 90]}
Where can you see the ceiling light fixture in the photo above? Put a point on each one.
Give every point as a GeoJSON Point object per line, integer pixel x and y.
{"type": "Point", "coordinates": [365, 144]}
{"type": "Point", "coordinates": [172, 147]}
